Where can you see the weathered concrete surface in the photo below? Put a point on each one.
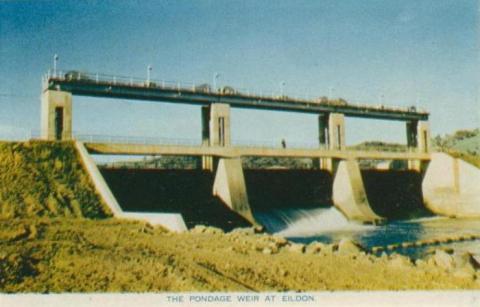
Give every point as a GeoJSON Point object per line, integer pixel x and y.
{"type": "Point", "coordinates": [349, 194]}
{"type": "Point", "coordinates": [170, 221]}
{"type": "Point", "coordinates": [336, 131]}
{"type": "Point", "coordinates": [219, 124]}
{"type": "Point", "coordinates": [207, 161]}
{"type": "Point", "coordinates": [335, 140]}
{"type": "Point", "coordinates": [230, 187]}
{"type": "Point", "coordinates": [215, 130]}
{"type": "Point", "coordinates": [50, 101]}
{"type": "Point", "coordinates": [452, 187]}
{"type": "Point", "coordinates": [100, 185]}
{"type": "Point", "coordinates": [423, 130]}
{"type": "Point", "coordinates": [418, 140]}
{"type": "Point", "coordinates": [234, 152]}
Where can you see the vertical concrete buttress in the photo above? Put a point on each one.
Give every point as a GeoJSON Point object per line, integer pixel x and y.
{"type": "Point", "coordinates": [56, 115]}
{"type": "Point", "coordinates": [229, 186]}
{"type": "Point", "coordinates": [349, 194]}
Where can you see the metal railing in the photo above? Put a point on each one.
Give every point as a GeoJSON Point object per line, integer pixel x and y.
{"type": "Point", "coordinates": [135, 140]}
{"type": "Point", "coordinates": [204, 87]}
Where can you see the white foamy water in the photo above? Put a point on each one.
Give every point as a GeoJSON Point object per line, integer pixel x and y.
{"type": "Point", "coordinates": [310, 222]}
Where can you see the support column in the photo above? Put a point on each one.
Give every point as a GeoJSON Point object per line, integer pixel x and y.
{"type": "Point", "coordinates": [412, 134]}
{"type": "Point", "coordinates": [215, 129]}
{"type": "Point", "coordinates": [230, 187]}
{"type": "Point", "coordinates": [56, 115]}
{"type": "Point", "coordinates": [423, 138]}
{"type": "Point", "coordinates": [418, 140]}
{"type": "Point", "coordinates": [207, 161]}
{"type": "Point", "coordinates": [322, 163]}
{"type": "Point", "coordinates": [219, 125]}
{"type": "Point", "coordinates": [335, 138]}
{"type": "Point", "coordinates": [336, 131]}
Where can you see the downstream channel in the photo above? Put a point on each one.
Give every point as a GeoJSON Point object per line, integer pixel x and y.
{"type": "Point", "coordinates": [295, 204]}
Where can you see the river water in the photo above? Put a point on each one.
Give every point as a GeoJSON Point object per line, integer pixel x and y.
{"type": "Point", "coordinates": [328, 225]}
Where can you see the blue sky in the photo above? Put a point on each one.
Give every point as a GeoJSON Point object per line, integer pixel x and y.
{"type": "Point", "coordinates": [392, 52]}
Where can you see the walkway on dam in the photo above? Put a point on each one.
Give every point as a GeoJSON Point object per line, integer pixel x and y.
{"type": "Point", "coordinates": [114, 146]}
{"type": "Point", "coordinates": [109, 86]}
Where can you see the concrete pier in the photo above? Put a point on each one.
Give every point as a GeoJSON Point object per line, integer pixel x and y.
{"type": "Point", "coordinates": [56, 115]}
{"type": "Point", "coordinates": [451, 187]}
{"type": "Point", "coordinates": [335, 139]}
{"type": "Point", "coordinates": [206, 161]}
{"type": "Point", "coordinates": [418, 140]}
{"type": "Point", "coordinates": [229, 186]}
{"type": "Point", "coordinates": [322, 163]}
{"type": "Point", "coordinates": [349, 194]}
{"type": "Point", "coordinates": [215, 130]}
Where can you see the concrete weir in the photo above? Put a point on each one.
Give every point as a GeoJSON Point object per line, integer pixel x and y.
{"type": "Point", "coordinates": [451, 187]}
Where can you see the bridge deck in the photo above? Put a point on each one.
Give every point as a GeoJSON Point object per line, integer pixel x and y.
{"type": "Point", "coordinates": [129, 88]}
{"type": "Point", "coordinates": [185, 150]}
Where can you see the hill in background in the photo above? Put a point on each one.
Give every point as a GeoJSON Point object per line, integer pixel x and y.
{"type": "Point", "coordinates": [464, 144]}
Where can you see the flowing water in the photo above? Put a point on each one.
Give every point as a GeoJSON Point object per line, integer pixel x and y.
{"type": "Point", "coordinates": [329, 225]}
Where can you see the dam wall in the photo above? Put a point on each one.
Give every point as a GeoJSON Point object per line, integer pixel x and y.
{"type": "Point", "coordinates": [451, 187]}
{"type": "Point", "coordinates": [232, 197]}
{"type": "Point", "coordinates": [192, 194]}
{"type": "Point", "coordinates": [283, 188]}
{"type": "Point", "coordinates": [395, 194]}
{"type": "Point", "coordinates": [187, 193]}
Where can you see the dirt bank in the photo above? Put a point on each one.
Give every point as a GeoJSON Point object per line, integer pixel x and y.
{"type": "Point", "coordinates": [79, 255]}
{"type": "Point", "coordinates": [45, 179]}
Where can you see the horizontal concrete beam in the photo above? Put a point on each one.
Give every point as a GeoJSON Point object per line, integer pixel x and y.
{"type": "Point", "coordinates": [109, 89]}
{"type": "Point", "coordinates": [231, 152]}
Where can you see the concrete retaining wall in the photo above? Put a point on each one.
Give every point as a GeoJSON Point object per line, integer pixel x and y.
{"type": "Point", "coordinates": [451, 187]}
{"type": "Point", "coordinates": [173, 222]}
